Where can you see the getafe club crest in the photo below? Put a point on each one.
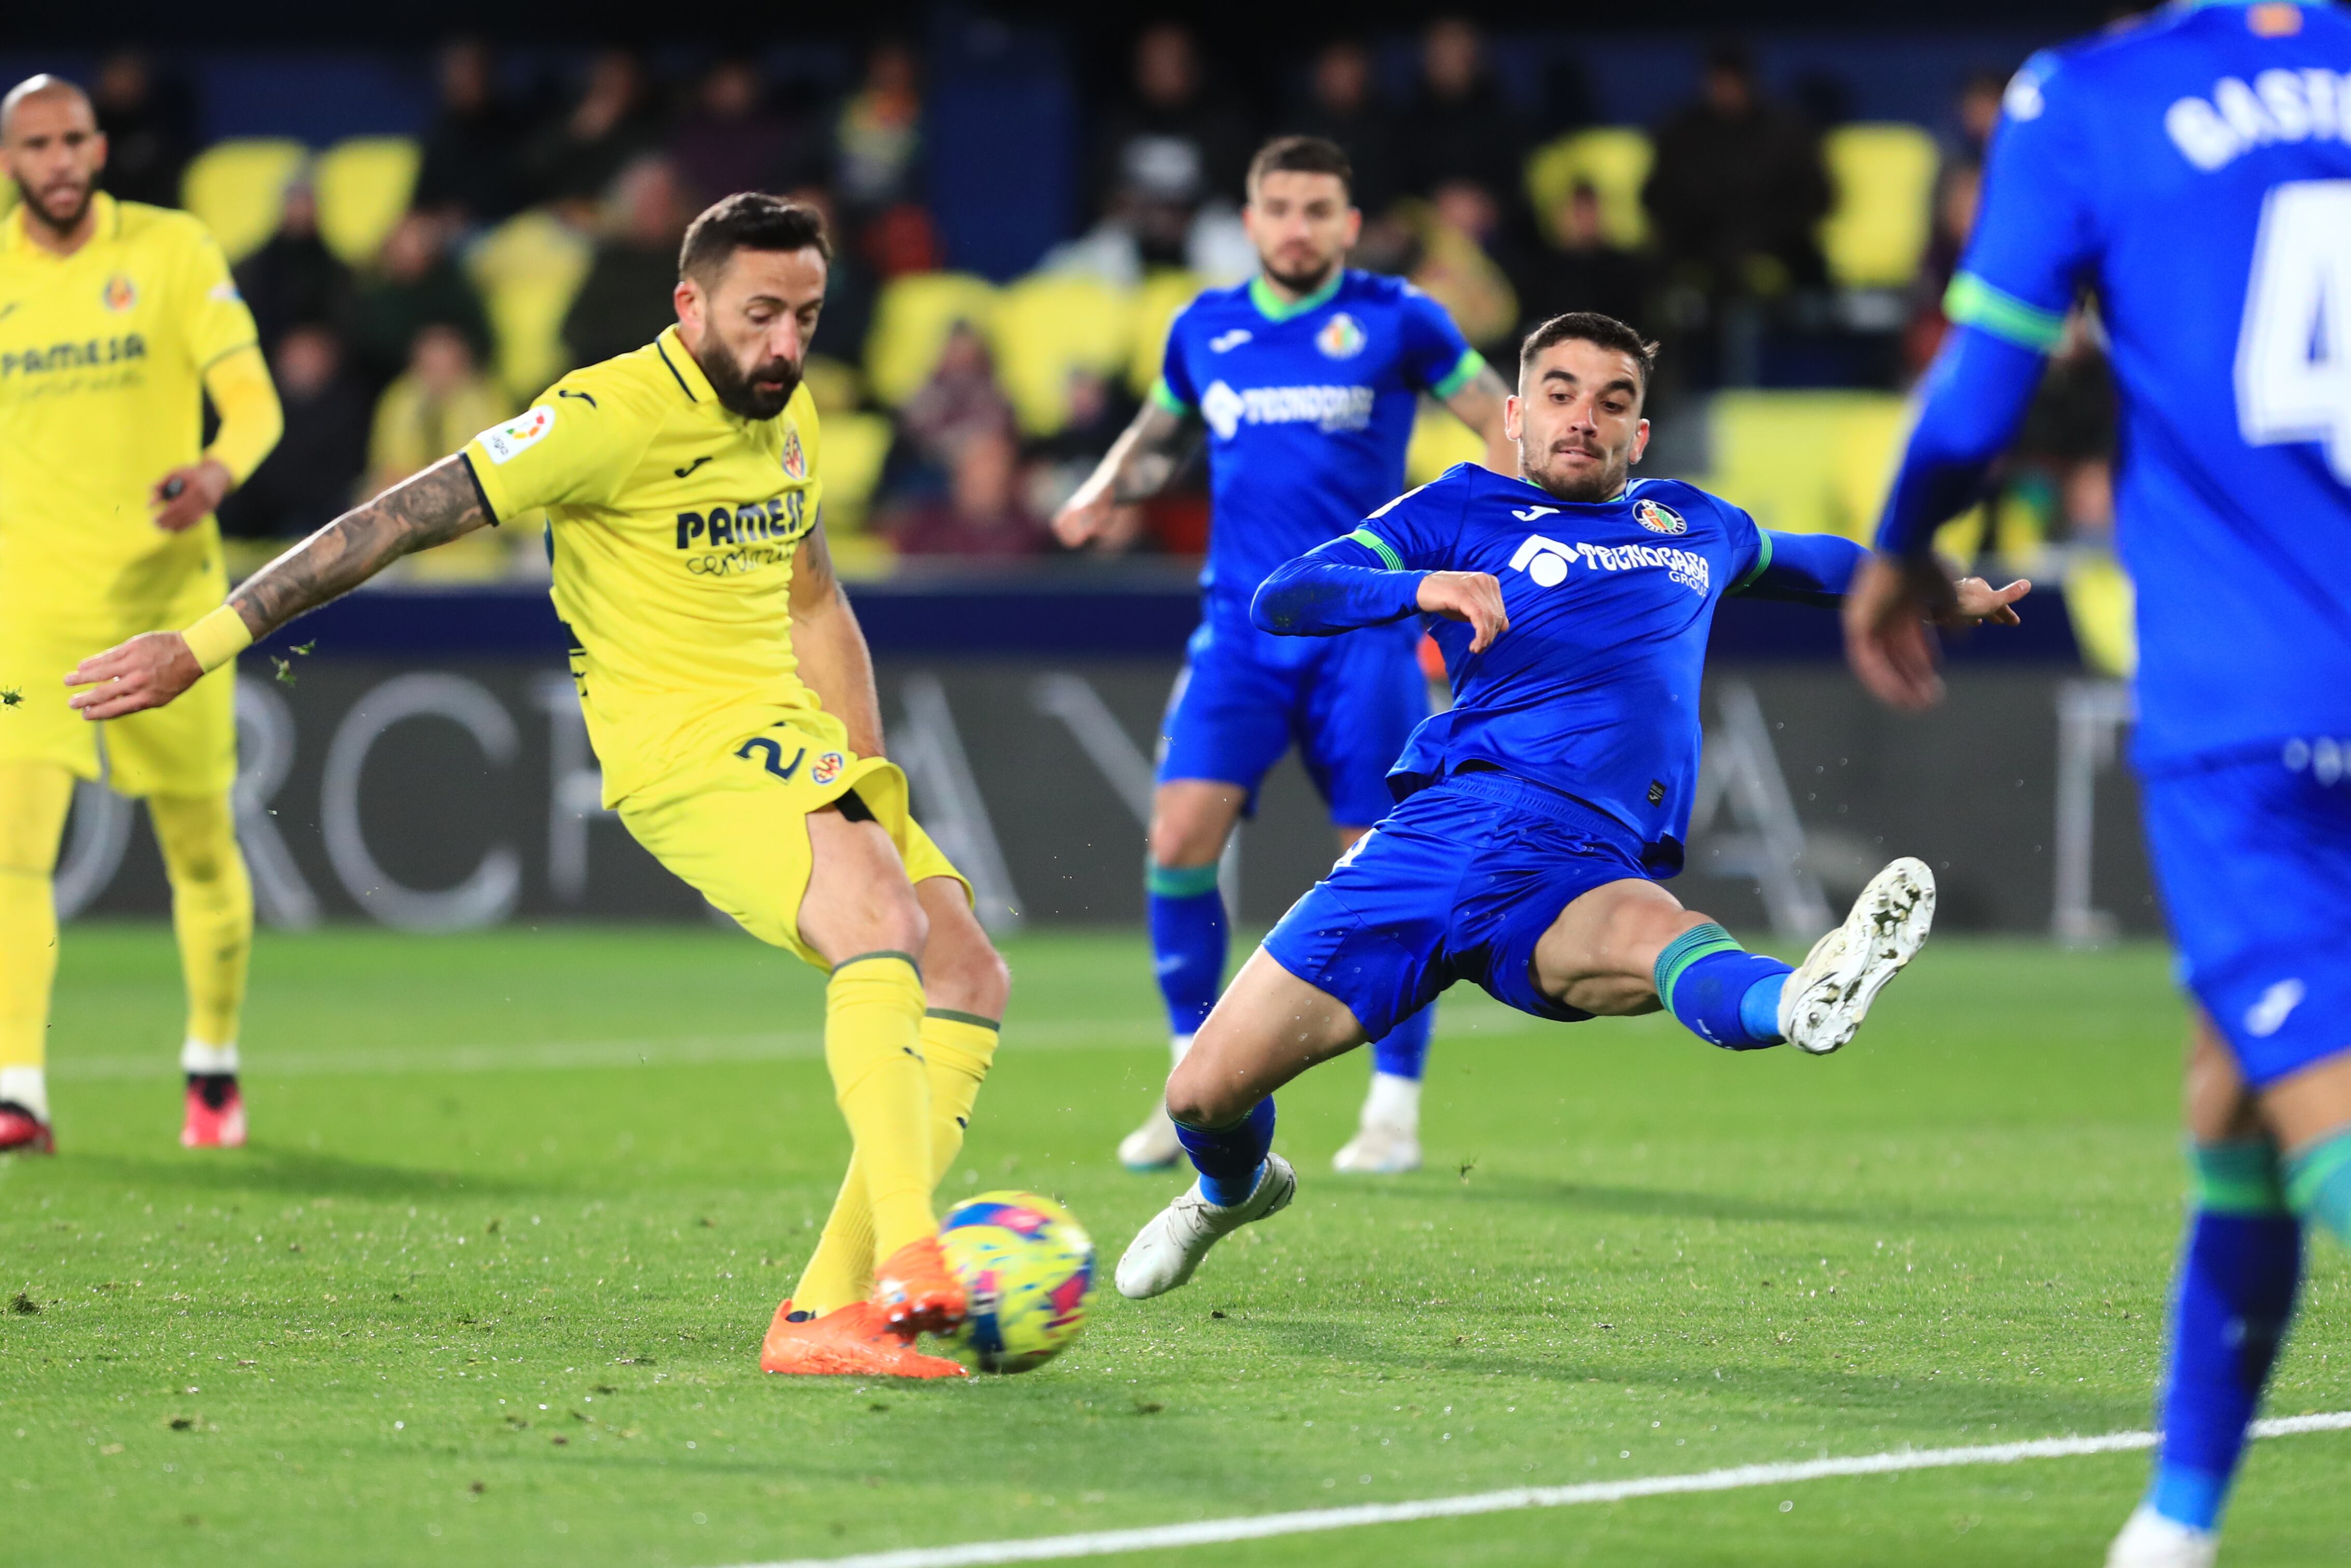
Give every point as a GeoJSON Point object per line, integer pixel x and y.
{"type": "Point", "coordinates": [120, 294]}
{"type": "Point", "coordinates": [827, 769]}
{"type": "Point", "coordinates": [1658, 519]}
{"type": "Point", "coordinates": [794, 458]}
{"type": "Point", "coordinates": [1341, 338]}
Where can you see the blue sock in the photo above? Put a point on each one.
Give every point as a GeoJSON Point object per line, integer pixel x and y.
{"type": "Point", "coordinates": [1403, 1051]}
{"type": "Point", "coordinates": [2229, 1313]}
{"type": "Point", "coordinates": [1228, 1158]}
{"type": "Point", "coordinates": [1188, 941]}
{"type": "Point", "coordinates": [1722, 993]}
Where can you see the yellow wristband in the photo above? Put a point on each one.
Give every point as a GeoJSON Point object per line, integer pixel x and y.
{"type": "Point", "coordinates": [218, 638]}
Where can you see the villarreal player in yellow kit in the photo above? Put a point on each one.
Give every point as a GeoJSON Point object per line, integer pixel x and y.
{"type": "Point", "coordinates": [116, 320]}
{"type": "Point", "coordinates": [730, 698]}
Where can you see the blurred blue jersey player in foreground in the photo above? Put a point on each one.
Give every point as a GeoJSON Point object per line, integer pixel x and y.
{"type": "Point", "coordinates": [1307, 378]}
{"type": "Point", "coordinates": [1536, 818]}
{"type": "Point", "coordinates": [2193, 172]}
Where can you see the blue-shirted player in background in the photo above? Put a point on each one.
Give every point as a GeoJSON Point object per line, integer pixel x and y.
{"type": "Point", "coordinates": [1307, 378]}
{"type": "Point", "coordinates": [2193, 172]}
{"type": "Point", "coordinates": [1538, 815]}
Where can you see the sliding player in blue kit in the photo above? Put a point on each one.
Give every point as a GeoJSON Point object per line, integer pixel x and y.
{"type": "Point", "coordinates": [1308, 379]}
{"type": "Point", "coordinates": [2193, 172]}
{"type": "Point", "coordinates": [1536, 818]}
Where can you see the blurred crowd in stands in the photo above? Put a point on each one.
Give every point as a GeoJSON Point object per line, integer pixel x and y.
{"type": "Point", "coordinates": [1712, 243]}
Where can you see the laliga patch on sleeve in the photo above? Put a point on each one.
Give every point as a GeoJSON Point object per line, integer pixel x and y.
{"type": "Point", "coordinates": [226, 292]}
{"type": "Point", "coordinates": [504, 441]}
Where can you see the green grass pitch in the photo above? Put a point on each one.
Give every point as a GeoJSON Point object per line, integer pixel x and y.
{"type": "Point", "coordinates": [489, 1284]}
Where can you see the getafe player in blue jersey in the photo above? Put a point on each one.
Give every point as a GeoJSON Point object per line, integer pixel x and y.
{"type": "Point", "coordinates": [2194, 172]}
{"type": "Point", "coordinates": [1536, 818]}
{"type": "Point", "coordinates": [1307, 378]}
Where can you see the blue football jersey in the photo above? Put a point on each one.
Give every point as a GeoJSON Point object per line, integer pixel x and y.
{"type": "Point", "coordinates": [1593, 691]}
{"type": "Point", "coordinates": [1308, 406]}
{"type": "Point", "coordinates": [2194, 171]}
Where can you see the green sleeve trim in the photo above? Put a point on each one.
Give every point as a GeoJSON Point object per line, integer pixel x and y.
{"type": "Point", "coordinates": [1698, 942]}
{"type": "Point", "coordinates": [1464, 370]}
{"type": "Point", "coordinates": [1166, 400]}
{"type": "Point", "coordinates": [2239, 1175]}
{"type": "Point", "coordinates": [1762, 562]}
{"type": "Point", "coordinates": [1181, 881]}
{"type": "Point", "coordinates": [1972, 302]}
{"type": "Point", "coordinates": [1378, 547]}
{"type": "Point", "coordinates": [972, 1018]}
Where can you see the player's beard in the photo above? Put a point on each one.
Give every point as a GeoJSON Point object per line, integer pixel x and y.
{"type": "Point", "coordinates": [738, 396]}
{"type": "Point", "coordinates": [1591, 485]}
{"type": "Point", "coordinates": [1302, 283]}
{"type": "Point", "coordinates": [35, 208]}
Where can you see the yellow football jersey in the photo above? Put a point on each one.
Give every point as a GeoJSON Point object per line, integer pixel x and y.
{"type": "Point", "coordinates": [672, 523]}
{"type": "Point", "coordinates": [102, 356]}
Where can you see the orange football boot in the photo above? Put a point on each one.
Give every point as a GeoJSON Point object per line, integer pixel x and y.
{"type": "Point", "coordinates": [917, 1291]}
{"type": "Point", "coordinates": [216, 1114]}
{"type": "Point", "coordinates": [854, 1341]}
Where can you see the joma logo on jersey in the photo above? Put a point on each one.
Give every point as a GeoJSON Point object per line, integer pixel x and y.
{"type": "Point", "coordinates": [1547, 561]}
{"type": "Point", "coordinates": [1330, 409]}
{"type": "Point", "coordinates": [74, 356]}
{"type": "Point", "coordinates": [774, 519]}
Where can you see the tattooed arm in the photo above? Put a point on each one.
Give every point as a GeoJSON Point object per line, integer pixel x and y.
{"type": "Point", "coordinates": [433, 508]}
{"type": "Point", "coordinates": [1138, 465]}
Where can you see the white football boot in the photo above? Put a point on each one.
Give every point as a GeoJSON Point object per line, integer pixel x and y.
{"type": "Point", "coordinates": [1171, 1244]}
{"type": "Point", "coordinates": [1154, 1146]}
{"type": "Point", "coordinates": [1829, 995]}
{"type": "Point", "coordinates": [2151, 1541]}
{"type": "Point", "coordinates": [1388, 1138]}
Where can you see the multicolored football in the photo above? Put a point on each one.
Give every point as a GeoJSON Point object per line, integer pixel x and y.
{"type": "Point", "coordinates": [1028, 1267]}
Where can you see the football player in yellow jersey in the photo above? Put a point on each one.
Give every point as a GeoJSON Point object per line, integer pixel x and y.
{"type": "Point", "coordinates": [116, 320]}
{"type": "Point", "coordinates": [730, 698]}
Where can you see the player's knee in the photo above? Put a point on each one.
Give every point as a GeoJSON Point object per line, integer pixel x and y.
{"type": "Point", "coordinates": [1197, 1099]}
{"type": "Point", "coordinates": [970, 977]}
{"type": "Point", "coordinates": [1180, 844]}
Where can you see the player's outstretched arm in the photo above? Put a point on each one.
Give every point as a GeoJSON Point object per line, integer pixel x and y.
{"type": "Point", "coordinates": [1479, 406]}
{"type": "Point", "coordinates": [433, 508]}
{"type": "Point", "coordinates": [830, 646]}
{"type": "Point", "coordinates": [1138, 465]}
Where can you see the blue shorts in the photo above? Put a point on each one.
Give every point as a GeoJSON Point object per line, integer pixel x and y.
{"type": "Point", "coordinates": [2254, 861]}
{"type": "Point", "coordinates": [1459, 883]}
{"type": "Point", "coordinates": [1349, 702]}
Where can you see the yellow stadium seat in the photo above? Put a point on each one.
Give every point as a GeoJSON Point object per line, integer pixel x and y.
{"type": "Point", "coordinates": [855, 447]}
{"type": "Point", "coordinates": [1883, 175]}
{"type": "Point", "coordinates": [364, 184]}
{"type": "Point", "coordinates": [911, 322]}
{"type": "Point", "coordinates": [1806, 461]}
{"type": "Point", "coordinates": [1438, 442]}
{"type": "Point", "coordinates": [1048, 326]}
{"type": "Point", "coordinates": [1162, 294]}
{"type": "Point", "coordinates": [1615, 159]}
{"type": "Point", "coordinates": [2101, 602]}
{"type": "Point", "coordinates": [529, 269]}
{"type": "Point", "coordinates": [238, 188]}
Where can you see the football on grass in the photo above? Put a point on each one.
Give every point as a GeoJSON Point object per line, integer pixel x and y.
{"type": "Point", "coordinates": [1028, 1267]}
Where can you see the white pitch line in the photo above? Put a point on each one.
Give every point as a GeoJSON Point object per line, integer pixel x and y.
{"type": "Point", "coordinates": [1216, 1531]}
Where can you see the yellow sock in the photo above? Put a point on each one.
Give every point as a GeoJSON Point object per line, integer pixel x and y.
{"type": "Point", "coordinates": [956, 1049]}
{"type": "Point", "coordinates": [34, 798]}
{"type": "Point", "coordinates": [872, 1038]}
{"type": "Point", "coordinates": [212, 908]}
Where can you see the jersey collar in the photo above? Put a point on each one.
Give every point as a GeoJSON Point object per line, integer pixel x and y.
{"type": "Point", "coordinates": [107, 210]}
{"type": "Point", "coordinates": [680, 360]}
{"type": "Point", "coordinates": [1274, 307]}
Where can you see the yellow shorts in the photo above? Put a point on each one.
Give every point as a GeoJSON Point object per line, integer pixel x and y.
{"type": "Point", "coordinates": [735, 827]}
{"type": "Point", "coordinates": [188, 747]}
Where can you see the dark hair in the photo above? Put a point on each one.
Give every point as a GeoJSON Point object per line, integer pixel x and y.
{"type": "Point", "coordinates": [1590, 327]}
{"type": "Point", "coordinates": [1301, 155]}
{"type": "Point", "coordinates": [750, 220]}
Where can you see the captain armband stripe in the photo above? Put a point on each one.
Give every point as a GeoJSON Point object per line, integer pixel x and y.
{"type": "Point", "coordinates": [1464, 370]}
{"type": "Point", "coordinates": [1378, 547]}
{"type": "Point", "coordinates": [1972, 302]}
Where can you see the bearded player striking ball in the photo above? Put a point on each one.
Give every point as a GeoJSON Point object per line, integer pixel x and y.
{"type": "Point", "coordinates": [730, 698]}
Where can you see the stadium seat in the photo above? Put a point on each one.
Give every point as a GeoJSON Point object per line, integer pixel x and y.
{"type": "Point", "coordinates": [1438, 442]}
{"type": "Point", "coordinates": [364, 184]}
{"type": "Point", "coordinates": [238, 188]}
{"type": "Point", "coordinates": [1615, 159]}
{"type": "Point", "coordinates": [855, 447]}
{"type": "Point", "coordinates": [1806, 461]}
{"type": "Point", "coordinates": [527, 269]}
{"type": "Point", "coordinates": [1162, 294]}
{"type": "Point", "coordinates": [911, 322]}
{"type": "Point", "coordinates": [1883, 175]}
{"type": "Point", "coordinates": [1049, 326]}
{"type": "Point", "coordinates": [2101, 602]}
